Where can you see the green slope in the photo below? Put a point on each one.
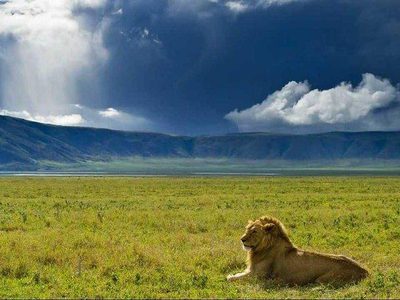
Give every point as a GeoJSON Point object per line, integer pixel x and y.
{"type": "Point", "coordinates": [26, 143]}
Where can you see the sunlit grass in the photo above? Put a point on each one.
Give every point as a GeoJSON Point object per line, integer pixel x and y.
{"type": "Point", "coordinates": [179, 237]}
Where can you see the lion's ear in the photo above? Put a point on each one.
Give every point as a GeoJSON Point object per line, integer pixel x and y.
{"type": "Point", "coordinates": [269, 227]}
{"type": "Point", "coordinates": [250, 221]}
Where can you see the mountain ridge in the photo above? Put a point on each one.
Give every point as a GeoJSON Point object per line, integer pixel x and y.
{"type": "Point", "coordinates": [27, 142]}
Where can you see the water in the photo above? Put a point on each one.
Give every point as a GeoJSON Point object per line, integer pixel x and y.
{"type": "Point", "coordinates": [77, 174]}
{"type": "Point", "coordinates": [271, 173]}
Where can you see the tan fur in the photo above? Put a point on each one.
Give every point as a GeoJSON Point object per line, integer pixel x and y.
{"type": "Point", "coordinates": [272, 255]}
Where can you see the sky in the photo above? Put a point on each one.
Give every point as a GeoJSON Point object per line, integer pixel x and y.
{"type": "Point", "coordinates": [202, 67]}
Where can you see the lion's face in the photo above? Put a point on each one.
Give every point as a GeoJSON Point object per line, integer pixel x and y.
{"type": "Point", "coordinates": [257, 235]}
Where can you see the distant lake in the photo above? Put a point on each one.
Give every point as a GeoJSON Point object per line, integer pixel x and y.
{"type": "Point", "coordinates": [77, 174]}
{"type": "Point", "coordinates": [128, 174]}
{"type": "Point", "coordinates": [283, 172]}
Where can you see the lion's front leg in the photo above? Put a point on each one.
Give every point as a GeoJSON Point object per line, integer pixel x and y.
{"type": "Point", "coordinates": [238, 276]}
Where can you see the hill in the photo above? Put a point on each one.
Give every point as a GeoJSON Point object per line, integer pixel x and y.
{"type": "Point", "coordinates": [25, 143]}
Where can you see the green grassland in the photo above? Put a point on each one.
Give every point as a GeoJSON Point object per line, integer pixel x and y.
{"type": "Point", "coordinates": [179, 237]}
{"type": "Point", "coordinates": [187, 166]}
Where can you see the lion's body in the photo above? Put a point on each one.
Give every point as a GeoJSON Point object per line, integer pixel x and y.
{"type": "Point", "coordinates": [298, 267]}
{"type": "Point", "coordinates": [272, 255]}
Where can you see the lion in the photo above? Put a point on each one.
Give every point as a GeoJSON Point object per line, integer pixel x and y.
{"type": "Point", "coordinates": [272, 255]}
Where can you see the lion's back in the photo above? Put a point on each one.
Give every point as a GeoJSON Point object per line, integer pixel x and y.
{"type": "Point", "coordinates": [303, 267]}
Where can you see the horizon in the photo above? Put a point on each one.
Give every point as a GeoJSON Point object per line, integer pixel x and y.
{"type": "Point", "coordinates": [199, 135]}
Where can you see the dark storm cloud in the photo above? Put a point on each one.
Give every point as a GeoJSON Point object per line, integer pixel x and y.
{"type": "Point", "coordinates": [185, 64]}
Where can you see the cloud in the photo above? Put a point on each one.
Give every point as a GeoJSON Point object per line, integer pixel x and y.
{"type": "Point", "coordinates": [109, 113]}
{"type": "Point", "coordinates": [65, 120]}
{"type": "Point", "coordinates": [118, 12]}
{"type": "Point", "coordinates": [206, 8]}
{"type": "Point", "coordinates": [85, 116]}
{"type": "Point", "coordinates": [50, 50]}
{"type": "Point", "coordinates": [117, 119]}
{"type": "Point", "coordinates": [343, 107]}
{"type": "Point", "coordinates": [49, 47]}
{"type": "Point", "coordinates": [114, 119]}
{"type": "Point", "coordinates": [238, 6]}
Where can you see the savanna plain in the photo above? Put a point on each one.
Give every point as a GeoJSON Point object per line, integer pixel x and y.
{"type": "Point", "coordinates": [179, 237]}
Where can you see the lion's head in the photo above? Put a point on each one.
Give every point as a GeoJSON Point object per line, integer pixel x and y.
{"type": "Point", "coordinates": [262, 233]}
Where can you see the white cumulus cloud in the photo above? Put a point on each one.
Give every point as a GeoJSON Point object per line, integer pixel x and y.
{"type": "Point", "coordinates": [65, 120]}
{"type": "Point", "coordinates": [109, 113]}
{"type": "Point", "coordinates": [296, 105]}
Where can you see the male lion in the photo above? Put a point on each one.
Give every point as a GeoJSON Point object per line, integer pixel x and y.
{"type": "Point", "coordinates": [272, 255]}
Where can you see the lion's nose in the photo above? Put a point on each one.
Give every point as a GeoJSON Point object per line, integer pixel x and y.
{"type": "Point", "coordinates": [243, 239]}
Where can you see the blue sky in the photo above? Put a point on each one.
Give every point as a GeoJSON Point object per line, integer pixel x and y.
{"type": "Point", "coordinates": [202, 66]}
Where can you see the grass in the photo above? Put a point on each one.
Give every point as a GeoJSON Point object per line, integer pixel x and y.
{"type": "Point", "coordinates": [188, 166]}
{"type": "Point", "coordinates": [179, 237]}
